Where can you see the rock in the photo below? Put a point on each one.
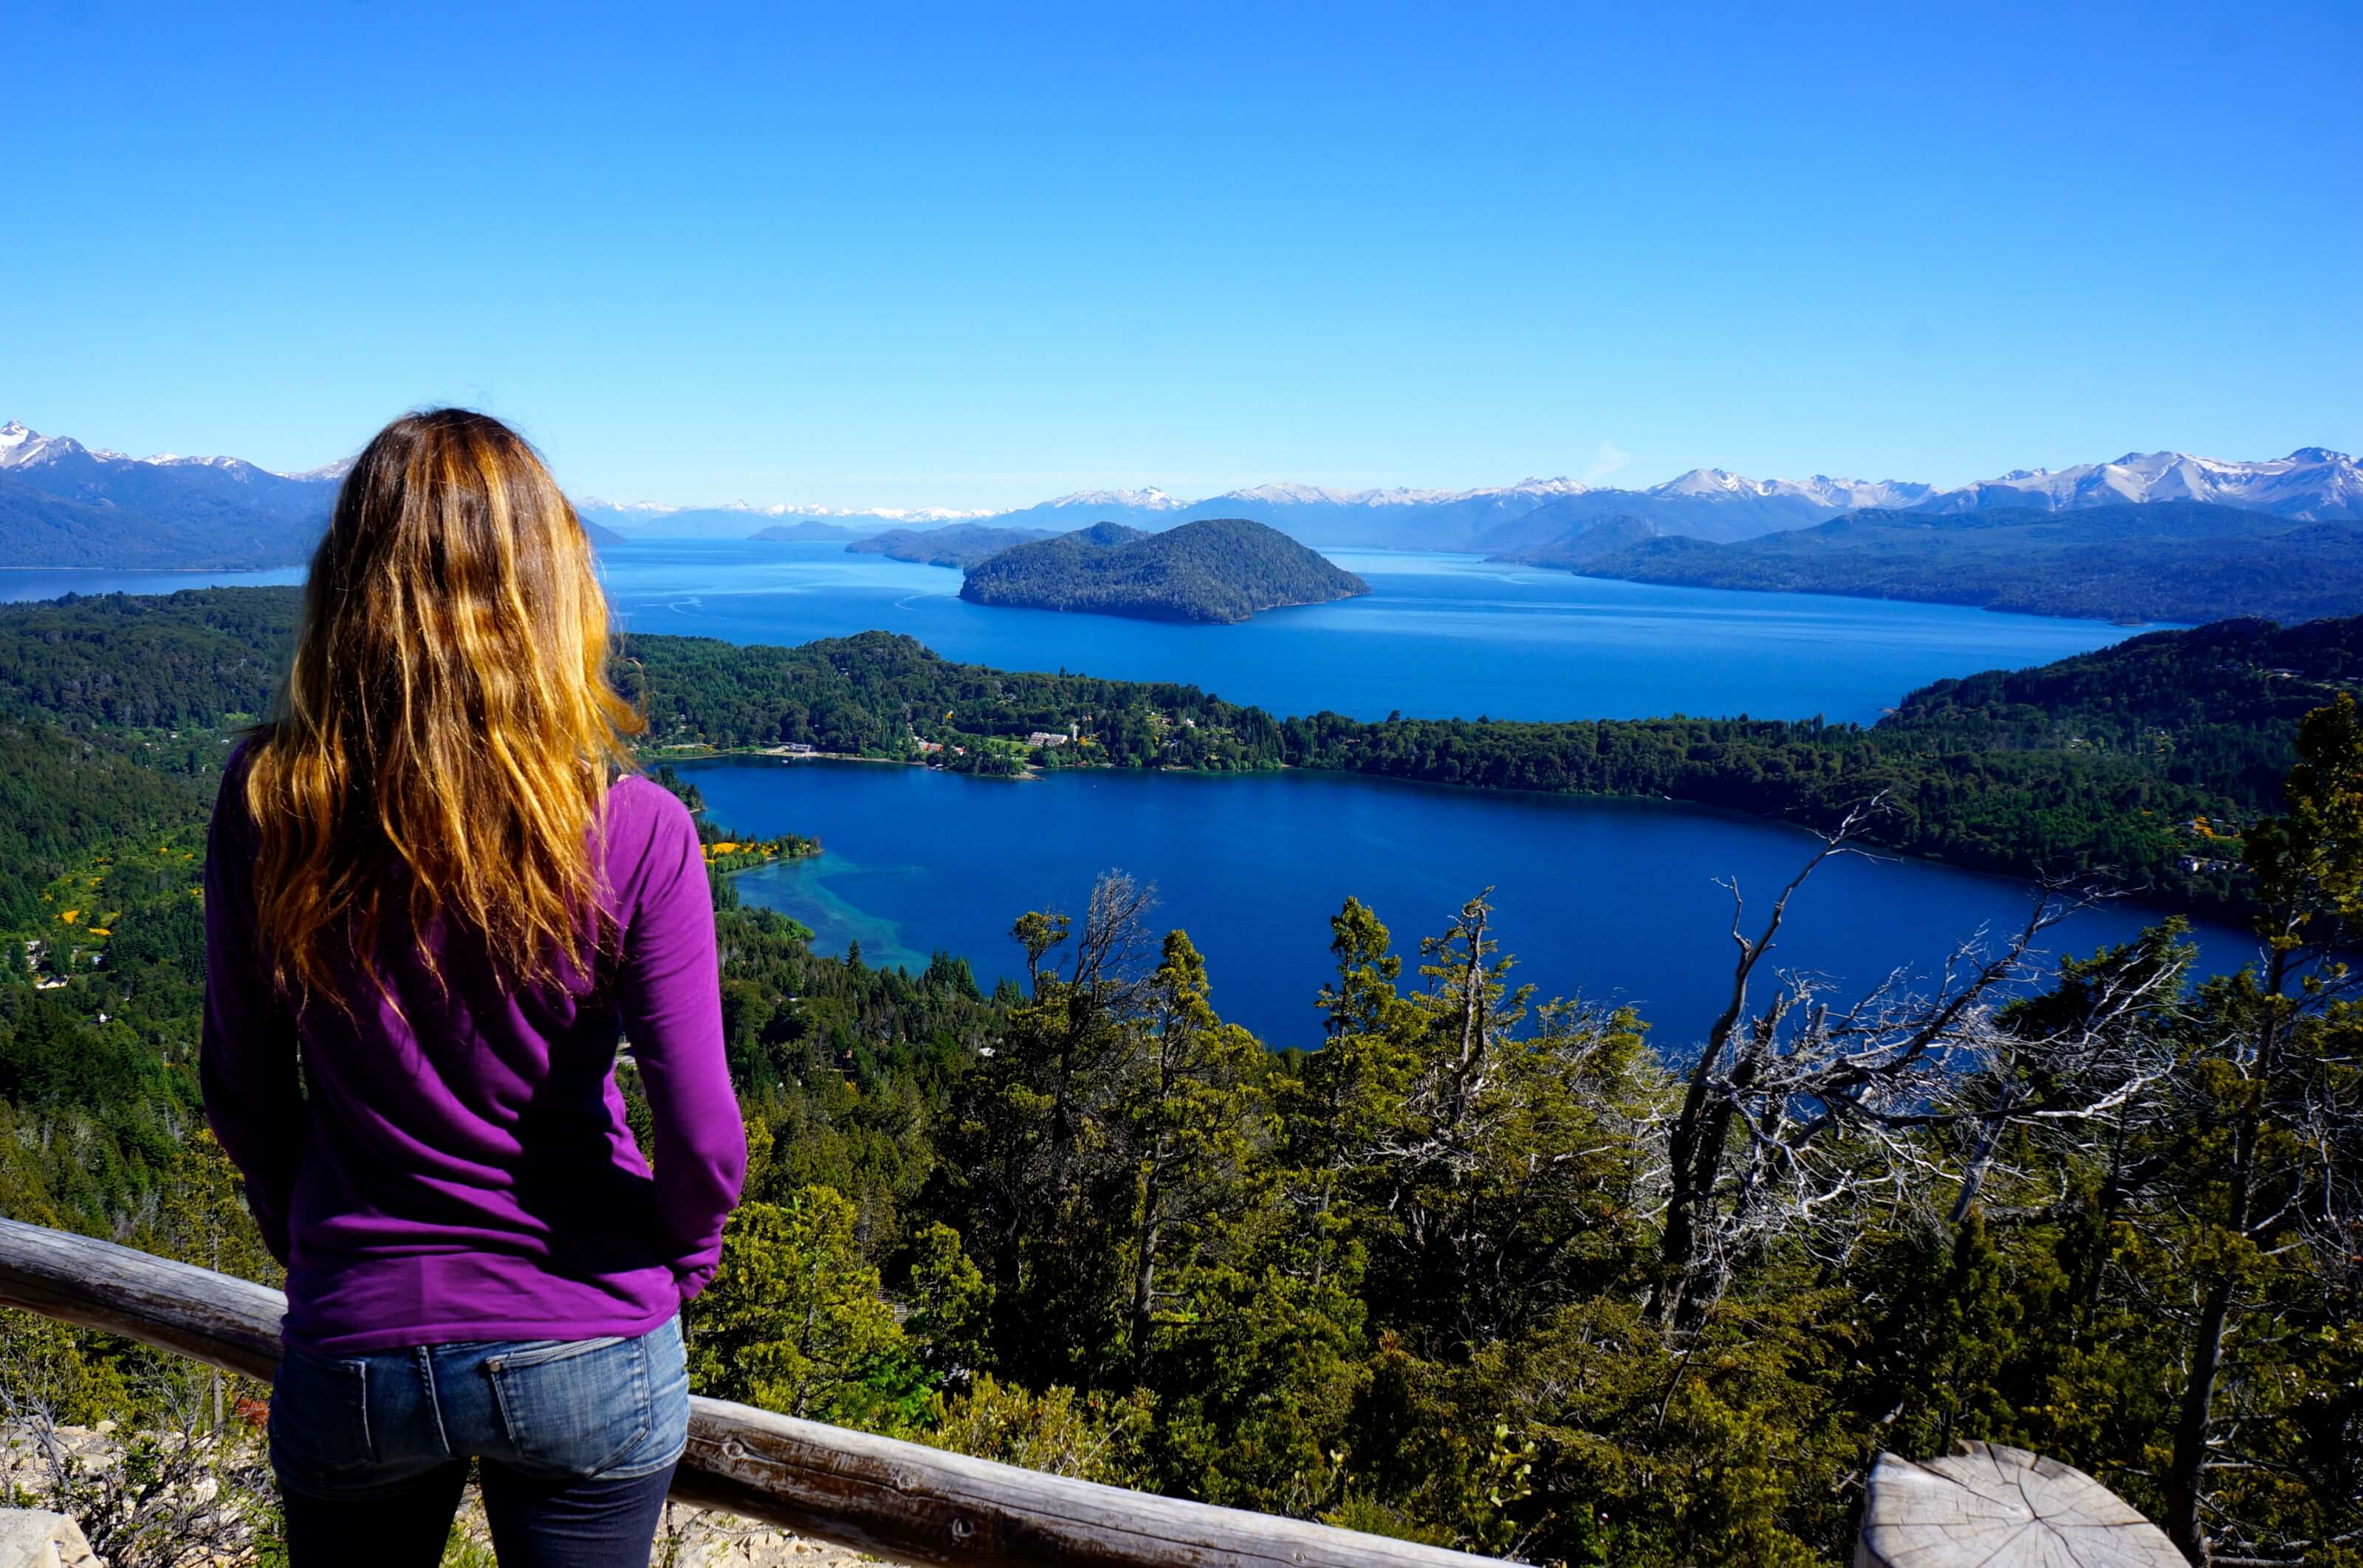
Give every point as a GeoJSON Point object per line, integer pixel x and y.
{"type": "Point", "coordinates": [32, 1539]}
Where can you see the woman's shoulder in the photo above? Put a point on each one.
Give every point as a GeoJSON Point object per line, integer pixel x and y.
{"type": "Point", "coordinates": [637, 798]}
{"type": "Point", "coordinates": [644, 817]}
{"type": "Point", "coordinates": [647, 844]}
{"type": "Point", "coordinates": [232, 814]}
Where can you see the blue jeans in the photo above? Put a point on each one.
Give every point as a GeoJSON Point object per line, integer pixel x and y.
{"type": "Point", "coordinates": [577, 1439]}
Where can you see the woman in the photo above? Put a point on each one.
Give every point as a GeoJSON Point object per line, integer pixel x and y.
{"type": "Point", "coordinates": [434, 896]}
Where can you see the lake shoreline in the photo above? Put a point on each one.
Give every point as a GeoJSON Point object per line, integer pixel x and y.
{"type": "Point", "coordinates": [1616, 898]}
{"type": "Point", "coordinates": [2195, 908]}
{"type": "Point", "coordinates": [1934, 597]}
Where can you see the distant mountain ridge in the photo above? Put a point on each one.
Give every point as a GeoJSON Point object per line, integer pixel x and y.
{"type": "Point", "coordinates": [62, 504]}
{"type": "Point", "coordinates": [955, 545]}
{"type": "Point", "coordinates": [66, 504]}
{"type": "Point", "coordinates": [804, 532]}
{"type": "Point", "coordinates": [2311, 484]}
{"type": "Point", "coordinates": [736, 520]}
{"type": "Point", "coordinates": [1215, 568]}
{"type": "Point", "coordinates": [2186, 561]}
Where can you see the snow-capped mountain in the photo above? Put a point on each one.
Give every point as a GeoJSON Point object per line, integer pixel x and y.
{"type": "Point", "coordinates": [1717, 504]}
{"type": "Point", "coordinates": [1149, 508]}
{"type": "Point", "coordinates": [328, 473]}
{"type": "Point", "coordinates": [2311, 483]}
{"type": "Point", "coordinates": [68, 505]}
{"type": "Point", "coordinates": [1399, 518]}
{"type": "Point", "coordinates": [649, 509]}
{"type": "Point", "coordinates": [1150, 500]}
{"type": "Point", "coordinates": [737, 519]}
{"type": "Point", "coordinates": [166, 487]}
{"type": "Point", "coordinates": [209, 509]}
{"type": "Point", "coordinates": [1531, 491]}
{"type": "Point", "coordinates": [22, 448]}
{"type": "Point", "coordinates": [1835, 494]}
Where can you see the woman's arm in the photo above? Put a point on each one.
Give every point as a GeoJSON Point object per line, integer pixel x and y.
{"type": "Point", "coordinates": [670, 997]}
{"type": "Point", "coordinates": [246, 1058]}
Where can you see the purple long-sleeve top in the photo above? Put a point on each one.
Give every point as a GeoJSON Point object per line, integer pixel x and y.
{"type": "Point", "coordinates": [453, 1163]}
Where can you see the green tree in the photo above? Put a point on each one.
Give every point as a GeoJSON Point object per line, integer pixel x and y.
{"type": "Point", "coordinates": [2267, 1148]}
{"type": "Point", "coordinates": [1198, 1142]}
{"type": "Point", "coordinates": [951, 1306]}
{"type": "Point", "coordinates": [794, 1322]}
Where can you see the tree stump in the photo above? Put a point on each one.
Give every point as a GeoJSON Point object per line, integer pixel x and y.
{"type": "Point", "coordinates": [32, 1539]}
{"type": "Point", "coordinates": [2002, 1508]}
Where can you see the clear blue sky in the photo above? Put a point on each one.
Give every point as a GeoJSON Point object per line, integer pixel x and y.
{"type": "Point", "coordinates": [977, 255]}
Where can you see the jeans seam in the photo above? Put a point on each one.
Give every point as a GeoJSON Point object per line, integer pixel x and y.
{"type": "Point", "coordinates": [645, 1398]}
{"type": "Point", "coordinates": [434, 1399]}
{"type": "Point", "coordinates": [502, 1405]}
{"type": "Point", "coordinates": [368, 1439]}
{"type": "Point", "coordinates": [551, 1355]}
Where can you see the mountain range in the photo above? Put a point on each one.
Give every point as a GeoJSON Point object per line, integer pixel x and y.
{"type": "Point", "coordinates": [62, 504]}
{"type": "Point", "coordinates": [2160, 560]}
{"type": "Point", "coordinates": [2311, 484]}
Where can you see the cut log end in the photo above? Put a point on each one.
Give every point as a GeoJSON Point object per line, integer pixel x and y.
{"type": "Point", "coordinates": [2002, 1508]}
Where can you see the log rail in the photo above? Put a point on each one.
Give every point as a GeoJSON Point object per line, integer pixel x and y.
{"type": "Point", "coordinates": [1991, 1505]}
{"type": "Point", "coordinates": [902, 1501]}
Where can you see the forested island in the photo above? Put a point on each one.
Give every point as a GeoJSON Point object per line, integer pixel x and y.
{"type": "Point", "coordinates": [2160, 560]}
{"type": "Point", "coordinates": [1217, 569]}
{"type": "Point", "coordinates": [1487, 1269]}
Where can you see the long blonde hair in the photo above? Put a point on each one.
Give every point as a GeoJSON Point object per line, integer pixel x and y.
{"type": "Point", "coordinates": [446, 730]}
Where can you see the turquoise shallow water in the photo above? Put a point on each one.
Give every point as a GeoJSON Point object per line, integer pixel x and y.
{"type": "Point", "coordinates": [1617, 899]}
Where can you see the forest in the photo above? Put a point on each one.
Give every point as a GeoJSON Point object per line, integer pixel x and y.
{"type": "Point", "coordinates": [1486, 1269]}
{"type": "Point", "coordinates": [2094, 766]}
{"type": "Point", "coordinates": [1217, 569]}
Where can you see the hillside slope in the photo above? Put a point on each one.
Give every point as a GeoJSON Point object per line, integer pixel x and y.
{"type": "Point", "coordinates": [62, 504]}
{"type": "Point", "coordinates": [2161, 560]}
{"type": "Point", "coordinates": [955, 545]}
{"type": "Point", "coordinates": [1221, 568]}
{"type": "Point", "coordinates": [41, 529]}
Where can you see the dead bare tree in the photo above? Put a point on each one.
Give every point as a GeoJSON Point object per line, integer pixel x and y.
{"type": "Point", "coordinates": [1798, 1113]}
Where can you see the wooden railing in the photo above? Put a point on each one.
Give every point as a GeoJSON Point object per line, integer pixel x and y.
{"type": "Point", "coordinates": [2000, 1508]}
{"type": "Point", "coordinates": [902, 1501]}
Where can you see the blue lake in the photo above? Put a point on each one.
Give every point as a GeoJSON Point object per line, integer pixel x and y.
{"type": "Point", "coordinates": [1614, 899]}
{"type": "Point", "coordinates": [18, 584]}
{"type": "Point", "coordinates": [1438, 635]}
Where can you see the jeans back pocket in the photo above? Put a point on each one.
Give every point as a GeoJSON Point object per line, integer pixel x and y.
{"type": "Point", "coordinates": [574, 1408]}
{"type": "Point", "coordinates": [320, 1419]}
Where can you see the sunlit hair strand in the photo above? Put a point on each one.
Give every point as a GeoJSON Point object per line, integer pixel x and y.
{"type": "Point", "coordinates": [447, 730]}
